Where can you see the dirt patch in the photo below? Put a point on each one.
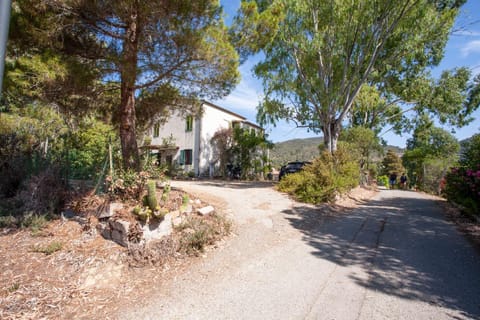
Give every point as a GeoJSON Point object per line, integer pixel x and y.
{"type": "Point", "coordinates": [67, 270]}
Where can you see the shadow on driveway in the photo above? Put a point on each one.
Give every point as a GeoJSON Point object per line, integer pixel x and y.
{"type": "Point", "coordinates": [403, 244]}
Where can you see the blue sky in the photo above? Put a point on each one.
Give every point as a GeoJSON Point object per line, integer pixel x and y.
{"type": "Point", "coordinates": [463, 49]}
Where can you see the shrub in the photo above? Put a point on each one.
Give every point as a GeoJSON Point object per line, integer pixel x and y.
{"type": "Point", "coordinates": [383, 181]}
{"type": "Point", "coordinates": [43, 194]}
{"type": "Point", "coordinates": [49, 249]}
{"type": "Point", "coordinates": [127, 184]}
{"type": "Point", "coordinates": [34, 222]}
{"type": "Point", "coordinates": [326, 177]}
{"type": "Point", "coordinates": [198, 232]}
{"type": "Point", "coordinates": [462, 186]}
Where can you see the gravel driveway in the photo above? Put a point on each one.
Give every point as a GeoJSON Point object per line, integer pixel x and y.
{"type": "Point", "coordinates": [392, 258]}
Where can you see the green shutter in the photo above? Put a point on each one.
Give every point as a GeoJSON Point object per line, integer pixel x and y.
{"type": "Point", "coordinates": [189, 123]}
{"type": "Point", "coordinates": [181, 159]}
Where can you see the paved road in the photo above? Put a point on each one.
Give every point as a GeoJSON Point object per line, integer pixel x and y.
{"type": "Point", "coordinates": [392, 258]}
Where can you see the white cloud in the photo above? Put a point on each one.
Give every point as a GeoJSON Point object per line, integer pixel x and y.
{"type": "Point", "coordinates": [471, 47]}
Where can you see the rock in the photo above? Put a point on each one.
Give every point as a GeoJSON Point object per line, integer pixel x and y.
{"type": "Point", "coordinates": [186, 209]}
{"type": "Point", "coordinates": [197, 202]}
{"type": "Point", "coordinates": [68, 214]}
{"type": "Point", "coordinates": [158, 229]}
{"type": "Point", "coordinates": [177, 221]}
{"type": "Point", "coordinates": [205, 210]}
{"type": "Point", "coordinates": [119, 231]}
{"type": "Point", "coordinates": [115, 230]}
{"type": "Point", "coordinates": [110, 210]}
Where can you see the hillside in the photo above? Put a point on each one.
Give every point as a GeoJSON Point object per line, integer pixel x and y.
{"type": "Point", "coordinates": [304, 150]}
{"type": "Point", "coordinates": [296, 149]}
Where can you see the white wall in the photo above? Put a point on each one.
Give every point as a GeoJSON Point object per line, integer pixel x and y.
{"type": "Point", "coordinates": [176, 126]}
{"type": "Point", "coordinates": [213, 119]}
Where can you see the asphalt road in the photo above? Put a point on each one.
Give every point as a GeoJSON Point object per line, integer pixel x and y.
{"type": "Point", "coordinates": [394, 257]}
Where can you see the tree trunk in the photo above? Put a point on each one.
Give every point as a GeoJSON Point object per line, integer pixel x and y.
{"type": "Point", "coordinates": [331, 133]}
{"type": "Point", "coordinates": [131, 159]}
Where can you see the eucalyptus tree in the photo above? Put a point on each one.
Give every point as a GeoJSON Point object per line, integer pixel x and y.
{"type": "Point", "coordinates": [321, 53]}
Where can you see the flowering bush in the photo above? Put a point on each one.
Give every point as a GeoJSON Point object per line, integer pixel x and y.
{"type": "Point", "coordinates": [462, 186]}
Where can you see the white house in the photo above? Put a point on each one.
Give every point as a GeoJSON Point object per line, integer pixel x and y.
{"type": "Point", "coordinates": [185, 140]}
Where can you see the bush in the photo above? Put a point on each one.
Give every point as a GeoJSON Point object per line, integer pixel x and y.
{"type": "Point", "coordinates": [198, 232]}
{"type": "Point", "coordinates": [88, 149]}
{"type": "Point", "coordinates": [43, 194]}
{"type": "Point", "coordinates": [326, 177]}
{"type": "Point", "coordinates": [462, 186]}
{"type": "Point", "coordinates": [383, 181]}
{"type": "Point", "coordinates": [49, 249]}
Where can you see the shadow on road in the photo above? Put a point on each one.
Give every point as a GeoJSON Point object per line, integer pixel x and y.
{"type": "Point", "coordinates": [404, 245]}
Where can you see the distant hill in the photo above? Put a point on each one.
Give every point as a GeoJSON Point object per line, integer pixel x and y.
{"type": "Point", "coordinates": [304, 150]}
{"type": "Point", "coordinates": [296, 149]}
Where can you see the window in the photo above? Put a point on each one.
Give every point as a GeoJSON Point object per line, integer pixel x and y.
{"type": "Point", "coordinates": [189, 123]}
{"type": "Point", "coordinates": [156, 130]}
{"type": "Point", "coordinates": [235, 124]}
{"type": "Point", "coordinates": [185, 157]}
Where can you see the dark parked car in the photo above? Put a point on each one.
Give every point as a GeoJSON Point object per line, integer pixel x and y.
{"type": "Point", "coordinates": [292, 167]}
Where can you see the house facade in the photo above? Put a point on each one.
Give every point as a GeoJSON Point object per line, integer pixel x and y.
{"type": "Point", "coordinates": [184, 141]}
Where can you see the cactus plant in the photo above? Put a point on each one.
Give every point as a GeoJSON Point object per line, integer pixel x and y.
{"type": "Point", "coordinates": [166, 191]}
{"type": "Point", "coordinates": [151, 196]}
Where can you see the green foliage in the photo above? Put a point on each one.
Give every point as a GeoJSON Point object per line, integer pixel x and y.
{"type": "Point", "coordinates": [14, 287]}
{"type": "Point", "coordinates": [185, 199]}
{"type": "Point", "coordinates": [328, 176]}
{"type": "Point", "coordinates": [392, 164]}
{"type": "Point", "coordinates": [383, 181]}
{"type": "Point", "coordinates": [372, 110]}
{"type": "Point", "coordinates": [323, 53]}
{"type": "Point", "coordinates": [8, 221]}
{"type": "Point", "coordinates": [462, 186]}
{"type": "Point", "coordinates": [34, 222]}
{"type": "Point", "coordinates": [363, 142]}
{"type": "Point", "coordinates": [152, 195]}
{"type": "Point", "coordinates": [470, 151]}
{"type": "Point", "coordinates": [88, 148]}
{"type": "Point", "coordinates": [243, 147]}
{"type": "Point", "coordinates": [247, 147]}
{"type": "Point", "coordinates": [180, 51]}
{"type": "Point", "coordinates": [49, 249]}
{"type": "Point", "coordinates": [430, 152]}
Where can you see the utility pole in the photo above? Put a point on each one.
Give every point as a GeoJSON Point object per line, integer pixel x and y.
{"type": "Point", "coordinates": [5, 7]}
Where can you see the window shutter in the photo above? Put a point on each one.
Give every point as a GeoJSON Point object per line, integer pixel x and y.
{"type": "Point", "coordinates": [182, 157]}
